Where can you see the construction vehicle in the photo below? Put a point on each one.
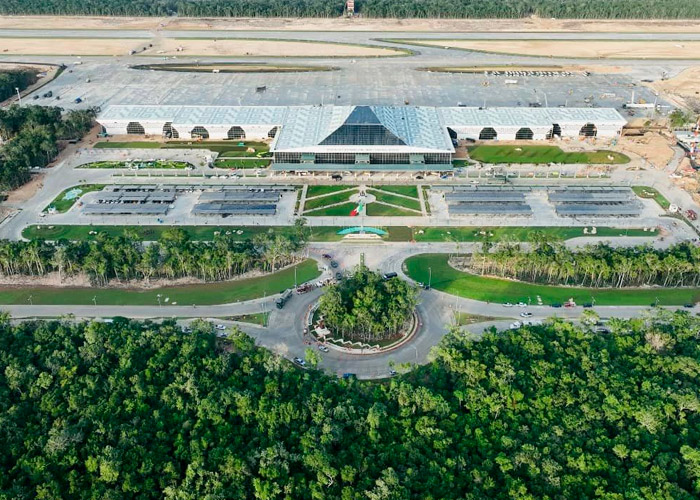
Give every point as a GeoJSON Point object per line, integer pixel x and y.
{"type": "Point", "coordinates": [280, 302]}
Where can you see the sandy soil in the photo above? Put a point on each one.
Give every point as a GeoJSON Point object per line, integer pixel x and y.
{"type": "Point", "coordinates": [169, 46]}
{"type": "Point", "coordinates": [604, 49]}
{"type": "Point", "coordinates": [510, 67]}
{"type": "Point", "coordinates": [683, 89]}
{"type": "Point", "coordinates": [653, 146]}
{"type": "Point", "coordinates": [26, 191]}
{"type": "Point", "coordinates": [237, 68]}
{"type": "Point", "coordinates": [531, 24]}
{"type": "Point", "coordinates": [213, 47]}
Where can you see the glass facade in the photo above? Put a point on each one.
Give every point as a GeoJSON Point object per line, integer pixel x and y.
{"type": "Point", "coordinates": [374, 158]}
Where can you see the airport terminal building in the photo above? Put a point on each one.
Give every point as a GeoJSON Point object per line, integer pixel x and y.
{"type": "Point", "coordinates": [331, 138]}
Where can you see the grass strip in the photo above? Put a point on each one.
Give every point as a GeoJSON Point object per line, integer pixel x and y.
{"type": "Point", "coordinates": [449, 280]}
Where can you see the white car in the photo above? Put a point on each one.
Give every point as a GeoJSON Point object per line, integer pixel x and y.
{"type": "Point", "coordinates": [221, 327]}
{"type": "Point", "coordinates": [323, 348]}
{"type": "Point", "coordinates": [525, 314]}
{"type": "Point", "coordinates": [507, 304]}
{"type": "Point", "coordinates": [515, 325]}
{"type": "Point", "coordinates": [522, 304]}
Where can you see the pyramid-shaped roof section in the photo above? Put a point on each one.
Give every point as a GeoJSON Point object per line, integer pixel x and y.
{"type": "Point", "coordinates": [364, 129]}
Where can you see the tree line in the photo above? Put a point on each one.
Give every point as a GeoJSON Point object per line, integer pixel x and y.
{"type": "Point", "coordinates": [30, 136]}
{"type": "Point", "coordinates": [599, 265]}
{"type": "Point", "coordinates": [128, 410]}
{"type": "Point", "coordinates": [364, 307]}
{"type": "Point", "coordinates": [581, 9]}
{"type": "Point", "coordinates": [127, 258]}
{"type": "Point", "coordinates": [15, 79]}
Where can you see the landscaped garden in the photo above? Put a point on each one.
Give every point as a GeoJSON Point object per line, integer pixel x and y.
{"type": "Point", "coordinates": [542, 155]}
{"type": "Point", "coordinates": [328, 233]}
{"type": "Point", "coordinates": [651, 193]}
{"type": "Point", "coordinates": [64, 201]}
{"type": "Point", "coordinates": [241, 163]}
{"type": "Point", "coordinates": [222, 292]}
{"type": "Point", "coordinates": [388, 201]}
{"type": "Point", "coordinates": [232, 148]}
{"type": "Point", "coordinates": [435, 268]}
{"type": "Point", "coordinates": [367, 308]}
{"type": "Point", "coordinates": [138, 164]}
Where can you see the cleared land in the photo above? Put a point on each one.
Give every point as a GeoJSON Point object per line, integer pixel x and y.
{"type": "Point", "coordinates": [531, 24]}
{"type": "Point", "coordinates": [542, 154]}
{"type": "Point", "coordinates": [588, 49]}
{"type": "Point", "coordinates": [188, 47]}
{"type": "Point", "coordinates": [683, 87]}
{"type": "Point", "coordinates": [234, 68]}
{"type": "Point", "coordinates": [204, 294]}
{"type": "Point", "coordinates": [328, 233]}
{"type": "Point", "coordinates": [448, 279]}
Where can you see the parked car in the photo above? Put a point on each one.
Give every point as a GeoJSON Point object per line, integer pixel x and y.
{"type": "Point", "coordinates": [507, 304]}
{"type": "Point", "coordinates": [388, 276]}
{"type": "Point", "coordinates": [221, 327]}
{"type": "Point", "coordinates": [525, 314]}
{"type": "Point", "coordinates": [327, 256]}
{"type": "Point", "coordinates": [515, 325]}
{"type": "Point", "coordinates": [339, 276]}
{"type": "Point", "coordinates": [334, 264]}
{"type": "Point", "coordinates": [522, 304]}
{"type": "Point", "coordinates": [300, 361]}
{"type": "Point", "coordinates": [323, 348]}
{"type": "Point", "coordinates": [556, 305]}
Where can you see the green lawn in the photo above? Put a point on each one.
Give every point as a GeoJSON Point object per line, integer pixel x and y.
{"type": "Point", "coordinates": [412, 204]}
{"type": "Point", "coordinates": [260, 319]}
{"type": "Point", "coordinates": [153, 233]}
{"type": "Point", "coordinates": [224, 148]}
{"type": "Point", "coordinates": [649, 192]}
{"type": "Point", "coordinates": [541, 154]}
{"type": "Point", "coordinates": [378, 210]}
{"type": "Point", "coordinates": [168, 164]}
{"type": "Point", "coordinates": [448, 279]}
{"type": "Point", "coordinates": [204, 294]}
{"type": "Point", "coordinates": [330, 199]}
{"type": "Point", "coordinates": [127, 145]}
{"type": "Point", "coordinates": [312, 191]}
{"type": "Point", "coordinates": [411, 191]}
{"type": "Point", "coordinates": [471, 234]}
{"type": "Point", "coordinates": [62, 205]}
{"type": "Point", "coordinates": [252, 163]}
{"type": "Point", "coordinates": [320, 233]}
{"type": "Point", "coordinates": [342, 210]}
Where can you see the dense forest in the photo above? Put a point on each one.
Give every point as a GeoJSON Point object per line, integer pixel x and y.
{"type": "Point", "coordinates": [126, 257]}
{"type": "Point", "coordinates": [15, 79]}
{"type": "Point", "coordinates": [591, 9]}
{"type": "Point", "coordinates": [30, 135]}
{"type": "Point", "coordinates": [598, 265]}
{"type": "Point", "coordinates": [138, 410]}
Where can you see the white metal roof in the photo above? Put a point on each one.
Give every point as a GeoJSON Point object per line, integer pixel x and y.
{"type": "Point", "coordinates": [528, 117]}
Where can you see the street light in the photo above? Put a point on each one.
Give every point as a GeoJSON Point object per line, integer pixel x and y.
{"type": "Point", "coordinates": [94, 300]}
{"type": "Point", "coordinates": [159, 304]}
{"type": "Point", "coordinates": [31, 302]}
{"type": "Point", "coordinates": [19, 96]}
{"type": "Point", "coordinates": [430, 276]}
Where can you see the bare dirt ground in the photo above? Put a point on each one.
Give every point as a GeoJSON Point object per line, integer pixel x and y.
{"type": "Point", "coordinates": [683, 89]}
{"type": "Point", "coordinates": [191, 47]}
{"type": "Point", "coordinates": [26, 191]}
{"type": "Point", "coordinates": [228, 47]}
{"type": "Point", "coordinates": [512, 67]}
{"type": "Point", "coordinates": [591, 49]}
{"type": "Point", "coordinates": [532, 24]}
{"type": "Point", "coordinates": [653, 146]}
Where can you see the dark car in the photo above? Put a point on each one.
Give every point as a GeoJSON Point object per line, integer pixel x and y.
{"type": "Point", "coordinates": [327, 256]}
{"type": "Point", "coordinates": [388, 276]}
{"type": "Point", "coordinates": [339, 276]}
{"type": "Point", "coordinates": [587, 305]}
{"type": "Point", "coordinates": [337, 177]}
{"type": "Point", "coordinates": [348, 375]}
{"type": "Point", "coordinates": [556, 304]}
{"type": "Point", "coordinates": [334, 264]}
{"type": "Point", "coordinates": [689, 306]}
